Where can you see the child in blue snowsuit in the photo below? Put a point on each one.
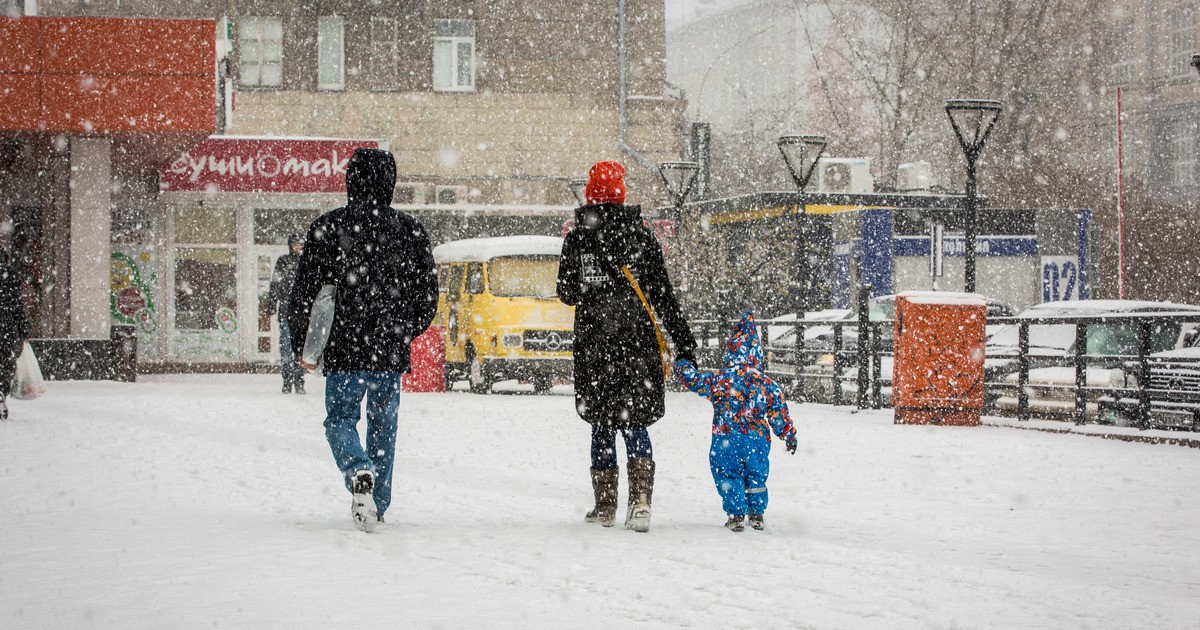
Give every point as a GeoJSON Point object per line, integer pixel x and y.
{"type": "Point", "coordinates": [747, 407]}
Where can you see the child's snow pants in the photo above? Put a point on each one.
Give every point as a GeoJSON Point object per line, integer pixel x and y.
{"type": "Point", "coordinates": [739, 468]}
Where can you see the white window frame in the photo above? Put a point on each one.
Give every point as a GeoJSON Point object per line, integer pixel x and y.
{"type": "Point", "coordinates": [385, 54]}
{"type": "Point", "coordinates": [460, 194]}
{"type": "Point", "coordinates": [1182, 43]}
{"type": "Point", "coordinates": [331, 53]}
{"type": "Point", "coordinates": [451, 39]}
{"type": "Point", "coordinates": [256, 49]}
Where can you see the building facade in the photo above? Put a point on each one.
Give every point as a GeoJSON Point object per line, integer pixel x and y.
{"type": "Point", "coordinates": [484, 103]}
{"type": "Point", "coordinates": [1153, 41]}
{"type": "Point", "coordinates": [490, 107]}
{"type": "Point", "coordinates": [91, 109]}
{"type": "Point", "coordinates": [1159, 92]}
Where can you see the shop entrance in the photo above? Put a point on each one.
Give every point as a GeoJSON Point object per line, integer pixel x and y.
{"type": "Point", "coordinates": [272, 227]}
{"type": "Point", "coordinates": [266, 333]}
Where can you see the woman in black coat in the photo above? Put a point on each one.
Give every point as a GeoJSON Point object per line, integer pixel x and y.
{"type": "Point", "coordinates": [607, 259]}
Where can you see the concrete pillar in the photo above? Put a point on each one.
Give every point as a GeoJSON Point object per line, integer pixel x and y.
{"type": "Point", "coordinates": [91, 236]}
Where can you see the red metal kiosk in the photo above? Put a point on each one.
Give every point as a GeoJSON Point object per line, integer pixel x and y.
{"type": "Point", "coordinates": [939, 355]}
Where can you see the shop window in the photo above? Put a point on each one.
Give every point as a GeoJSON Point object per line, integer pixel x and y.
{"type": "Point", "coordinates": [331, 54]}
{"type": "Point", "coordinates": [385, 55]}
{"type": "Point", "coordinates": [454, 55]}
{"type": "Point", "coordinates": [260, 51]}
{"type": "Point", "coordinates": [273, 226]}
{"type": "Point", "coordinates": [450, 195]}
{"type": "Point", "coordinates": [208, 226]}
{"type": "Point", "coordinates": [205, 287]}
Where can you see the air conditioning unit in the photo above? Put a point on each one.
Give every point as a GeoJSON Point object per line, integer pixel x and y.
{"type": "Point", "coordinates": [914, 177]}
{"type": "Point", "coordinates": [844, 175]}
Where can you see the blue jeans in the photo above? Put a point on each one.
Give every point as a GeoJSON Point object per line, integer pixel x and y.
{"type": "Point", "coordinates": [288, 365]}
{"type": "Point", "coordinates": [740, 465]}
{"type": "Point", "coordinates": [344, 392]}
{"type": "Point", "coordinates": [604, 445]}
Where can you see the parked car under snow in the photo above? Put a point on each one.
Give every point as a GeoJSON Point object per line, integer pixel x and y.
{"type": "Point", "coordinates": [1110, 345]}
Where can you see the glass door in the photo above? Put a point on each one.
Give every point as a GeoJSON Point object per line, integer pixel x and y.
{"type": "Point", "coordinates": [271, 228]}
{"type": "Point", "coordinates": [266, 343]}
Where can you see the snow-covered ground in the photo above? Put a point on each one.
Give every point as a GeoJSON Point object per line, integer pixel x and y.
{"type": "Point", "coordinates": [213, 502]}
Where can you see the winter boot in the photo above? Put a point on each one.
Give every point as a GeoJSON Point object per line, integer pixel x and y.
{"type": "Point", "coordinates": [756, 522]}
{"type": "Point", "coordinates": [604, 485]}
{"type": "Point", "coordinates": [300, 387]}
{"type": "Point", "coordinates": [641, 491]}
{"type": "Point", "coordinates": [362, 504]}
{"type": "Point", "coordinates": [4, 416]}
{"type": "Point", "coordinates": [734, 524]}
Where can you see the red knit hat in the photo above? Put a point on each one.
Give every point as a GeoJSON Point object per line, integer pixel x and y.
{"type": "Point", "coordinates": [606, 183]}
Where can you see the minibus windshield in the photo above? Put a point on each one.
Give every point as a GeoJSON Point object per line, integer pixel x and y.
{"type": "Point", "coordinates": [524, 276]}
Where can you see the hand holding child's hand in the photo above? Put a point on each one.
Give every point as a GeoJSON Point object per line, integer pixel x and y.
{"type": "Point", "coordinates": [791, 445]}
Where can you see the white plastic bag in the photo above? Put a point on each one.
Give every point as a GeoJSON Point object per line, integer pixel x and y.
{"type": "Point", "coordinates": [27, 383]}
{"type": "Point", "coordinates": [320, 321]}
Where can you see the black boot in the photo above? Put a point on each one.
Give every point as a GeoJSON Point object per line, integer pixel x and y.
{"type": "Point", "coordinates": [641, 491]}
{"type": "Point", "coordinates": [604, 486]}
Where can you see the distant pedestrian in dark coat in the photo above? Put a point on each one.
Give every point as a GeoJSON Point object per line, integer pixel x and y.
{"type": "Point", "coordinates": [381, 265]}
{"type": "Point", "coordinates": [607, 260]}
{"type": "Point", "coordinates": [14, 329]}
{"type": "Point", "coordinates": [282, 280]}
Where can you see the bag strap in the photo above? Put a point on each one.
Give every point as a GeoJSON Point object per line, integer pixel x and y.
{"type": "Point", "coordinates": [664, 352]}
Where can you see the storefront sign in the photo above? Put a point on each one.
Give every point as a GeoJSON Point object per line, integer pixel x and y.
{"type": "Point", "coordinates": [231, 164]}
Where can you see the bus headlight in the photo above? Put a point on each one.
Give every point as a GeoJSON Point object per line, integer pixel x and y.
{"type": "Point", "coordinates": [511, 340]}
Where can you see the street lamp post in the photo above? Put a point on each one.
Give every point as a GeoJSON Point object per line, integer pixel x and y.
{"type": "Point", "coordinates": [972, 120]}
{"type": "Point", "coordinates": [678, 177]}
{"type": "Point", "coordinates": [800, 154]}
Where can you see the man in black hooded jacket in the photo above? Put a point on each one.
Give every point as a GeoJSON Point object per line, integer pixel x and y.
{"type": "Point", "coordinates": [381, 266]}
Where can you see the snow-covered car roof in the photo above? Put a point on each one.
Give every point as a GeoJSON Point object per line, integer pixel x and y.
{"type": "Point", "coordinates": [484, 249]}
{"type": "Point", "coordinates": [1103, 307]}
{"type": "Point", "coordinates": [1061, 337]}
{"type": "Point", "coordinates": [1188, 354]}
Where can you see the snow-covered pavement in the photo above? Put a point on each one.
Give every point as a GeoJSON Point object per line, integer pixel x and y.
{"type": "Point", "coordinates": [213, 502]}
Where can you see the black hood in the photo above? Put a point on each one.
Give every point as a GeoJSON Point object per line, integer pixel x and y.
{"type": "Point", "coordinates": [593, 216]}
{"type": "Point", "coordinates": [371, 177]}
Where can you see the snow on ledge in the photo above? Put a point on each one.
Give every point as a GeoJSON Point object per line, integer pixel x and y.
{"type": "Point", "coordinates": [943, 297]}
